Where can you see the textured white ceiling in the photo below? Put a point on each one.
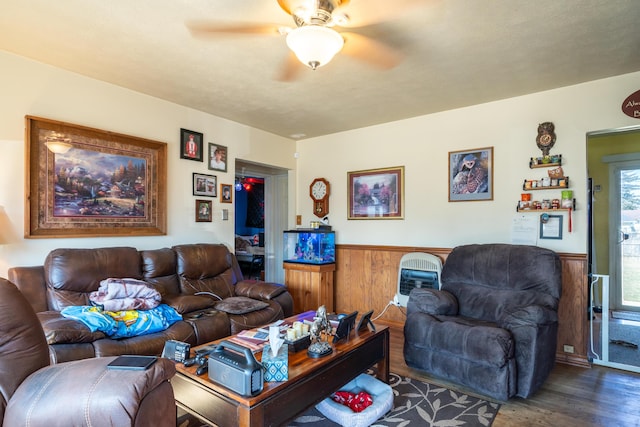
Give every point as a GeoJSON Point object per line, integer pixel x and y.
{"type": "Point", "coordinates": [455, 53]}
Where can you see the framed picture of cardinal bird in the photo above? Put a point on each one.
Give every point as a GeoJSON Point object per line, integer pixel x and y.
{"type": "Point", "coordinates": [471, 175]}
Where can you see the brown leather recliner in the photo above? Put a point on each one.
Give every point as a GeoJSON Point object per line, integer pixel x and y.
{"type": "Point", "coordinates": [77, 393]}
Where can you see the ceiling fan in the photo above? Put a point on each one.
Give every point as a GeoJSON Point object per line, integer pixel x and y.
{"type": "Point", "coordinates": [313, 40]}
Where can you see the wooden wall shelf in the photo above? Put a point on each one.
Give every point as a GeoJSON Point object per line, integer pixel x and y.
{"type": "Point", "coordinates": [573, 208]}
{"type": "Point", "coordinates": [548, 187]}
{"type": "Point", "coordinates": [534, 164]}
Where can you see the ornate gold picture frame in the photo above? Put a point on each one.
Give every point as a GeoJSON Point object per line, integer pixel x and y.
{"type": "Point", "coordinates": [86, 182]}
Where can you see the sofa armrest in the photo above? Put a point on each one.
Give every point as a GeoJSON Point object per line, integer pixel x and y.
{"type": "Point", "coordinates": [531, 315]}
{"type": "Point", "coordinates": [259, 290]}
{"type": "Point", "coordinates": [90, 394]}
{"type": "Point", "coordinates": [31, 282]}
{"type": "Point", "coordinates": [432, 301]}
{"type": "Point", "coordinates": [535, 330]}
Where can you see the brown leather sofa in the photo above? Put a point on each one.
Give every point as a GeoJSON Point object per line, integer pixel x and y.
{"type": "Point", "coordinates": [191, 278]}
{"type": "Point", "coordinates": [77, 393]}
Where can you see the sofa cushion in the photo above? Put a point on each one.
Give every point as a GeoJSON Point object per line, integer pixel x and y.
{"type": "Point", "coordinates": [205, 268]}
{"type": "Point", "coordinates": [477, 341]}
{"type": "Point", "coordinates": [60, 330]}
{"type": "Point", "coordinates": [255, 319]}
{"type": "Point", "coordinates": [159, 269]}
{"type": "Point", "coordinates": [188, 303]}
{"type": "Point", "coordinates": [71, 274]}
{"type": "Point", "coordinates": [240, 305]}
{"type": "Point", "coordinates": [259, 290]}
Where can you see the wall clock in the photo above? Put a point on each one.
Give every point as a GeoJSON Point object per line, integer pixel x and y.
{"type": "Point", "coordinates": [546, 137]}
{"type": "Point", "coordinates": [319, 191]}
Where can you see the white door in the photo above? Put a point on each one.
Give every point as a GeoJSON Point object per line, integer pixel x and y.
{"type": "Point", "coordinates": [625, 236]}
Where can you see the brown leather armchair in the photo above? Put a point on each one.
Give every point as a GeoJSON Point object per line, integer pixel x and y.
{"type": "Point", "coordinates": [77, 393]}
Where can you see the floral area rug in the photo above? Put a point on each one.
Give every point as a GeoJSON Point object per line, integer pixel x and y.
{"type": "Point", "coordinates": [418, 403]}
{"type": "Point", "coordinates": [415, 403]}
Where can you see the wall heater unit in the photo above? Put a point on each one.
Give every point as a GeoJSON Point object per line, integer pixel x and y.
{"type": "Point", "coordinates": [417, 270]}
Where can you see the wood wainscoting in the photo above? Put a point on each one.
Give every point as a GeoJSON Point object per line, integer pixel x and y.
{"type": "Point", "coordinates": [366, 278]}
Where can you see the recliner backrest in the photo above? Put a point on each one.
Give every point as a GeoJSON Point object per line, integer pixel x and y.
{"type": "Point", "coordinates": [206, 267]}
{"type": "Point", "coordinates": [72, 274]}
{"type": "Point", "coordinates": [489, 278]}
{"type": "Point", "coordinates": [23, 347]}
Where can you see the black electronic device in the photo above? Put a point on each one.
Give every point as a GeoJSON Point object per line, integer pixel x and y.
{"type": "Point", "coordinates": [236, 368]}
{"type": "Point", "coordinates": [346, 324]}
{"type": "Point", "coordinates": [176, 350]}
{"type": "Point", "coordinates": [132, 362]}
{"type": "Point", "coordinates": [366, 320]}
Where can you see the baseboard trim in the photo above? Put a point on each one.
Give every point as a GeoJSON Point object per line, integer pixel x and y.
{"type": "Point", "coordinates": [574, 360]}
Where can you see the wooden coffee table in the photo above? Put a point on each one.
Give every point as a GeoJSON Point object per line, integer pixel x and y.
{"type": "Point", "coordinates": [310, 381]}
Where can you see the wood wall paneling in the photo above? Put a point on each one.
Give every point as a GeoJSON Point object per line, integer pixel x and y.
{"type": "Point", "coordinates": [366, 278]}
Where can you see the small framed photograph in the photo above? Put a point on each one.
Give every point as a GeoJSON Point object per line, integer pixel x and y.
{"type": "Point", "coordinates": [203, 211]}
{"type": "Point", "coordinates": [471, 175]}
{"type": "Point", "coordinates": [204, 185]}
{"type": "Point", "coordinates": [190, 145]}
{"type": "Point", "coordinates": [365, 322]}
{"type": "Point", "coordinates": [217, 157]}
{"type": "Point", "coordinates": [345, 326]}
{"type": "Point", "coordinates": [550, 226]}
{"type": "Point", "coordinates": [376, 193]}
{"type": "Point", "coordinates": [225, 193]}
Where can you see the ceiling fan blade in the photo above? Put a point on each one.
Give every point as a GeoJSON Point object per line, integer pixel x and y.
{"type": "Point", "coordinates": [371, 51]}
{"type": "Point", "coordinates": [205, 28]}
{"type": "Point", "coordinates": [290, 69]}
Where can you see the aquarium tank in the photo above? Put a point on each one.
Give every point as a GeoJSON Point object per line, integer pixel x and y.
{"type": "Point", "coordinates": [309, 246]}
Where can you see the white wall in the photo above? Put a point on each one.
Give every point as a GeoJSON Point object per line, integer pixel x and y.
{"type": "Point", "coordinates": [31, 88]}
{"type": "Point", "coordinates": [422, 144]}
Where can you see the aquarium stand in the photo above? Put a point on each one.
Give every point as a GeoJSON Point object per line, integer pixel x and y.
{"type": "Point", "coordinates": [310, 285]}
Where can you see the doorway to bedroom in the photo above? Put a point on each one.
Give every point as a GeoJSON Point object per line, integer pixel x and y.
{"type": "Point", "coordinates": [260, 217]}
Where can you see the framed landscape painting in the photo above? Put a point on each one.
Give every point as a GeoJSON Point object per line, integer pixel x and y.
{"type": "Point", "coordinates": [85, 182]}
{"type": "Point", "coordinates": [376, 193]}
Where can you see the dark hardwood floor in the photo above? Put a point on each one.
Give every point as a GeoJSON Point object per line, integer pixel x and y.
{"type": "Point", "coordinates": [571, 396]}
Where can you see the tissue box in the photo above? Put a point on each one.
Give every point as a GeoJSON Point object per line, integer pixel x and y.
{"type": "Point", "coordinates": [276, 368]}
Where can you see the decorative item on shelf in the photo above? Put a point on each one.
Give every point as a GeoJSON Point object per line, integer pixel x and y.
{"type": "Point", "coordinates": [556, 172]}
{"type": "Point", "coordinates": [567, 199]}
{"type": "Point", "coordinates": [546, 138]}
{"type": "Point", "coordinates": [545, 181]}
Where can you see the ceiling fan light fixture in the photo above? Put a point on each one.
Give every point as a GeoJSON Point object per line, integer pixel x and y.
{"type": "Point", "coordinates": [314, 45]}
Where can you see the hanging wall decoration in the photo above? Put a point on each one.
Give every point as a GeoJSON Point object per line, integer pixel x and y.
{"type": "Point", "coordinates": [85, 182]}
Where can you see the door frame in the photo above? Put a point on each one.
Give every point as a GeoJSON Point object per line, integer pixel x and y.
{"type": "Point", "coordinates": [276, 195]}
